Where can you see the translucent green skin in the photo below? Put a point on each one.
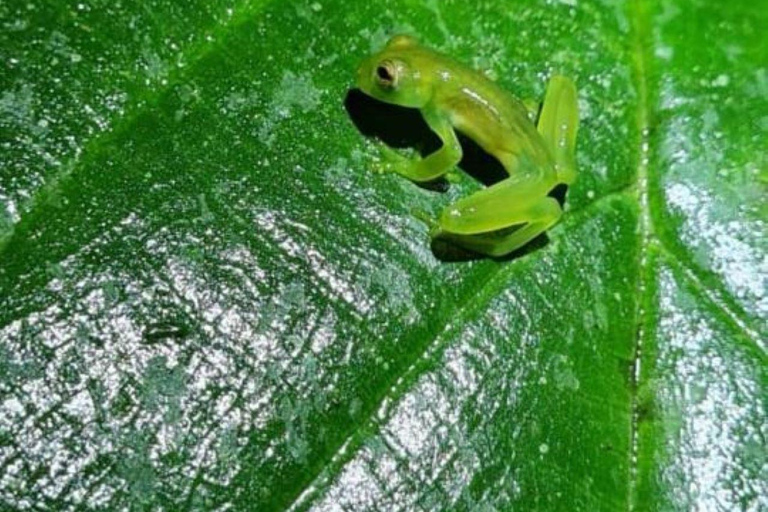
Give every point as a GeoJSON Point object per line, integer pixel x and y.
{"type": "Point", "coordinates": [537, 154]}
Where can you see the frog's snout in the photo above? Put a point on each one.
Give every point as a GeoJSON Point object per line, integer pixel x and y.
{"type": "Point", "coordinates": [361, 75]}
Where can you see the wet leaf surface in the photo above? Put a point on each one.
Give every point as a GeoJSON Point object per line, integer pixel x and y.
{"type": "Point", "coordinates": [208, 301]}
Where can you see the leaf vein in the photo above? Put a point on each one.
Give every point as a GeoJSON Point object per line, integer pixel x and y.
{"type": "Point", "coordinates": [139, 103]}
{"type": "Point", "coordinates": [641, 46]}
{"type": "Point", "coordinates": [713, 297]}
{"type": "Point", "coordinates": [369, 425]}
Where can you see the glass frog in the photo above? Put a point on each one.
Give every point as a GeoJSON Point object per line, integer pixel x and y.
{"type": "Point", "coordinates": [536, 154]}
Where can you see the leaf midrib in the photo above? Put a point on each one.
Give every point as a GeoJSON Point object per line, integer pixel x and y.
{"type": "Point", "coordinates": [641, 43]}
{"type": "Point", "coordinates": [653, 236]}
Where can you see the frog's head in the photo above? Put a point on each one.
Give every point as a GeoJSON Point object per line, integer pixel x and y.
{"type": "Point", "coordinates": [394, 76]}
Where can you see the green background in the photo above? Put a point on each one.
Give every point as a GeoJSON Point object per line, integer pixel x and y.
{"type": "Point", "coordinates": [208, 301]}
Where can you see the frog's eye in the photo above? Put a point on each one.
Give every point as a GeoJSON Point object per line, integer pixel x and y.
{"type": "Point", "coordinates": [386, 74]}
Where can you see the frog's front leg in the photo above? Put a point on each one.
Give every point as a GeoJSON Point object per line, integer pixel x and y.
{"type": "Point", "coordinates": [434, 165]}
{"type": "Point", "coordinates": [474, 222]}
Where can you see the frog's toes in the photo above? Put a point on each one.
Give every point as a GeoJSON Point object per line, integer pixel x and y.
{"type": "Point", "coordinates": [388, 160]}
{"type": "Point", "coordinates": [427, 219]}
{"type": "Point", "coordinates": [453, 176]}
{"type": "Point", "coordinates": [380, 167]}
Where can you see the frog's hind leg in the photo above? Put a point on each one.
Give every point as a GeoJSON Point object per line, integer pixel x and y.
{"type": "Point", "coordinates": [540, 217]}
{"type": "Point", "coordinates": [558, 124]}
{"type": "Point", "coordinates": [476, 222]}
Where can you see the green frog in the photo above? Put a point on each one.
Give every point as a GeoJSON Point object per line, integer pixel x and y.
{"type": "Point", "coordinates": [536, 152]}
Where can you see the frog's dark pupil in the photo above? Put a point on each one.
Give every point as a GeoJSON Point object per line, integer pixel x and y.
{"type": "Point", "coordinates": [384, 74]}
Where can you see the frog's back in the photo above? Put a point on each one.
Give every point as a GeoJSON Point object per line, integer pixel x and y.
{"type": "Point", "coordinates": [481, 109]}
{"type": "Point", "coordinates": [454, 78]}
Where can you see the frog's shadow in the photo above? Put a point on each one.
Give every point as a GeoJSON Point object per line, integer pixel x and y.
{"type": "Point", "coordinates": [402, 127]}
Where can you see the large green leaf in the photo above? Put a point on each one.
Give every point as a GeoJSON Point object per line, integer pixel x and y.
{"type": "Point", "coordinates": [207, 301]}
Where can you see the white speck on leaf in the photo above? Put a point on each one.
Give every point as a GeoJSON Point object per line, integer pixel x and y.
{"type": "Point", "coordinates": [721, 81]}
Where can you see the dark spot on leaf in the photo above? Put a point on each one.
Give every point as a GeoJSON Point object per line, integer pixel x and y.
{"type": "Point", "coordinates": [645, 411]}
{"type": "Point", "coordinates": [161, 331]}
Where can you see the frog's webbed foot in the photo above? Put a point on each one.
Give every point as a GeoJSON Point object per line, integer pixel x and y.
{"type": "Point", "coordinates": [454, 176]}
{"type": "Point", "coordinates": [432, 224]}
{"type": "Point", "coordinates": [390, 160]}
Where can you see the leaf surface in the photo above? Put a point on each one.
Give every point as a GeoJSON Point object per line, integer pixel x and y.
{"type": "Point", "coordinates": [208, 301]}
